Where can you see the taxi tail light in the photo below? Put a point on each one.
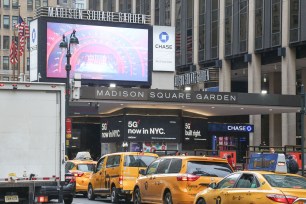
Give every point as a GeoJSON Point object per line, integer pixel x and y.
{"type": "Point", "coordinates": [42, 199]}
{"type": "Point", "coordinates": [187, 177]}
{"type": "Point", "coordinates": [78, 174]}
{"type": "Point", "coordinates": [120, 179]}
{"type": "Point", "coordinates": [282, 198]}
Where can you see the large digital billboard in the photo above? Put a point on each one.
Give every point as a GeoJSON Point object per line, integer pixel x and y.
{"type": "Point", "coordinates": [107, 52]}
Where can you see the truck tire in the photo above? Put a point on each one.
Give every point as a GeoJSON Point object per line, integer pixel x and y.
{"type": "Point", "coordinates": [68, 200]}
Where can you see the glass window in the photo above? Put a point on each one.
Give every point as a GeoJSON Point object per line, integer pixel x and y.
{"type": "Point", "coordinates": [30, 5]}
{"type": "Point", "coordinates": [228, 182]}
{"type": "Point", "coordinates": [138, 160]}
{"type": "Point", "coordinates": [175, 166]}
{"type": "Point", "coordinates": [243, 25]}
{"type": "Point", "coordinates": [6, 42]}
{"type": "Point", "coordinates": [258, 23]}
{"type": "Point", "coordinates": [143, 7]}
{"type": "Point", "coordinates": [294, 20]}
{"type": "Point", "coordinates": [45, 3]}
{"type": "Point", "coordinates": [86, 167]}
{"type": "Point", "coordinates": [28, 63]}
{"type": "Point", "coordinates": [285, 181]}
{"type": "Point", "coordinates": [37, 4]}
{"type": "Point", "coordinates": [6, 21]}
{"type": "Point", "coordinates": [247, 181]}
{"type": "Point", "coordinates": [163, 166]}
{"type": "Point", "coordinates": [204, 168]}
{"type": "Point", "coordinates": [14, 21]}
{"type": "Point", "coordinates": [113, 161]}
{"type": "Point", "coordinates": [68, 166]}
{"type": "Point", "coordinates": [29, 19]}
{"type": "Point", "coordinates": [5, 78]}
{"type": "Point", "coordinates": [276, 22]}
{"type": "Point", "coordinates": [15, 4]}
{"type": "Point", "coordinates": [109, 5]}
{"type": "Point", "coordinates": [6, 3]}
{"type": "Point", "coordinates": [100, 164]}
{"type": "Point", "coordinates": [214, 29]}
{"type": "Point", "coordinates": [152, 168]}
{"type": "Point", "coordinates": [6, 65]}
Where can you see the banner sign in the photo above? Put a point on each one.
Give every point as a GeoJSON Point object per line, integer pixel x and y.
{"type": "Point", "coordinates": [158, 95]}
{"type": "Point", "coordinates": [191, 78]}
{"type": "Point", "coordinates": [196, 130]}
{"type": "Point", "coordinates": [112, 129]}
{"type": "Point", "coordinates": [163, 48]}
{"type": "Point", "coordinates": [142, 128]}
{"type": "Point", "coordinates": [81, 14]}
{"type": "Point", "coordinates": [212, 127]}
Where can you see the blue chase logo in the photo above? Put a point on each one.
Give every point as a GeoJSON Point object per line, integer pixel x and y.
{"type": "Point", "coordinates": [163, 37]}
{"type": "Point", "coordinates": [33, 36]}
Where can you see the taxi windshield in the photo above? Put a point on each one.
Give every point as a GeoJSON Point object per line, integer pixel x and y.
{"type": "Point", "coordinates": [86, 167]}
{"type": "Point", "coordinates": [204, 168]}
{"type": "Point", "coordinates": [285, 181]}
{"type": "Point", "coordinates": [138, 160]}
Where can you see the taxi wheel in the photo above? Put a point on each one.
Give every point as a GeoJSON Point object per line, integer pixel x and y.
{"type": "Point", "coordinates": [201, 201]}
{"type": "Point", "coordinates": [137, 196]}
{"type": "Point", "coordinates": [90, 193]}
{"type": "Point", "coordinates": [114, 195]}
{"type": "Point", "coordinates": [168, 198]}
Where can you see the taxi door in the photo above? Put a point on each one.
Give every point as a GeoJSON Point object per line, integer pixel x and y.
{"type": "Point", "coordinates": [159, 179]}
{"type": "Point", "coordinates": [148, 182]}
{"type": "Point", "coordinates": [245, 190]}
{"type": "Point", "coordinates": [97, 177]}
{"type": "Point", "coordinates": [222, 193]}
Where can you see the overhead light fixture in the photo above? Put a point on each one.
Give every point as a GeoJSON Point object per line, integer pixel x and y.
{"type": "Point", "coordinates": [264, 91]}
{"type": "Point", "coordinates": [112, 85]}
{"type": "Point", "coordinates": [187, 88]}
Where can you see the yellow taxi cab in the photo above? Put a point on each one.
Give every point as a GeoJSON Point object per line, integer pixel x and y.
{"type": "Point", "coordinates": [177, 179]}
{"type": "Point", "coordinates": [81, 169]}
{"type": "Point", "coordinates": [115, 175]}
{"type": "Point", "coordinates": [256, 187]}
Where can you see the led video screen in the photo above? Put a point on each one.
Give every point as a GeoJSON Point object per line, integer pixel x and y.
{"type": "Point", "coordinates": [103, 53]}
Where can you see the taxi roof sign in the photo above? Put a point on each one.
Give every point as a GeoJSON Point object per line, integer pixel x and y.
{"type": "Point", "coordinates": [268, 162]}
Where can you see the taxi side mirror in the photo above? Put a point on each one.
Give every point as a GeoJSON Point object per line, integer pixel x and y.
{"type": "Point", "coordinates": [142, 171]}
{"type": "Point", "coordinates": [212, 185]}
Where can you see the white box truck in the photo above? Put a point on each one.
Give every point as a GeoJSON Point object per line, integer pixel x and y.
{"type": "Point", "coordinates": [32, 144]}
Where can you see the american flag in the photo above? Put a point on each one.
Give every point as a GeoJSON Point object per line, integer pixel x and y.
{"type": "Point", "coordinates": [23, 32]}
{"type": "Point", "coordinates": [13, 51]}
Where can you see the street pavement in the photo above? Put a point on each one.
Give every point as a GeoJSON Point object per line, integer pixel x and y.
{"type": "Point", "coordinates": [81, 200]}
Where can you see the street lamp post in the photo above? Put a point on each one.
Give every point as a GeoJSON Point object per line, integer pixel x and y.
{"type": "Point", "coordinates": [302, 126]}
{"type": "Point", "coordinates": [73, 40]}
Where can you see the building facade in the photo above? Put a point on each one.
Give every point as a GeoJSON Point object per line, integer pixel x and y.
{"type": "Point", "coordinates": [252, 45]}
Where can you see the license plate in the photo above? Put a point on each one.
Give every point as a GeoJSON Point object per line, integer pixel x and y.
{"type": "Point", "coordinates": [11, 199]}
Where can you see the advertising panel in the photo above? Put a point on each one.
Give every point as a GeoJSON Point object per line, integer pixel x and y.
{"type": "Point", "coordinates": [112, 129]}
{"type": "Point", "coordinates": [164, 48]}
{"type": "Point", "coordinates": [142, 128]}
{"type": "Point", "coordinates": [33, 51]}
{"type": "Point", "coordinates": [196, 130]}
{"type": "Point", "coordinates": [119, 54]}
{"type": "Point", "coordinates": [107, 52]}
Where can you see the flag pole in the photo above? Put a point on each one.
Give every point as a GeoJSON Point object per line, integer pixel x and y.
{"type": "Point", "coordinates": [24, 50]}
{"type": "Point", "coordinates": [18, 44]}
{"type": "Point", "coordinates": [14, 65]}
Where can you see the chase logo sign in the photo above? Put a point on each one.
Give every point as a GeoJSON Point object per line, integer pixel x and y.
{"type": "Point", "coordinates": [163, 37]}
{"type": "Point", "coordinates": [33, 36]}
{"type": "Point", "coordinates": [213, 127]}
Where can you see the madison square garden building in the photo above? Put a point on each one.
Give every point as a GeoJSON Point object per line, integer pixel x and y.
{"type": "Point", "coordinates": [228, 52]}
